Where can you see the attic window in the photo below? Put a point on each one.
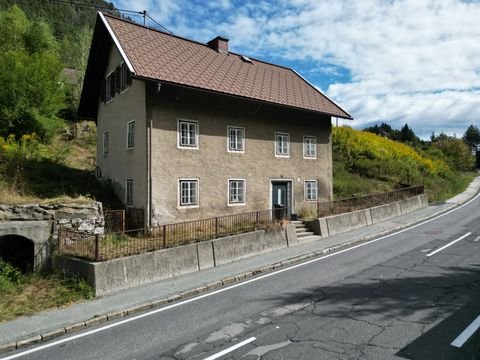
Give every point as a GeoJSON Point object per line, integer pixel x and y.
{"type": "Point", "coordinates": [246, 59]}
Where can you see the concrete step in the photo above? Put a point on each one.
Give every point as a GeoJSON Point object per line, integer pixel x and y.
{"type": "Point", "coordinates": [309, 238]}
{"type": "Point", "coordinates": [301, 229]}
{"type": "Point", "coordinates": [304, 234]}
{"type": "Point", "coordinates": [296, 222]}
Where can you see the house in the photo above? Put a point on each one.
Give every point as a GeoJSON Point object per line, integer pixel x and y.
{"type": "Point", "coordinates": [188, 130]}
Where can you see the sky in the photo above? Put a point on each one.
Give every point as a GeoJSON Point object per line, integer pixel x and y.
{"type": "Point", "coordinates": [414, 62]}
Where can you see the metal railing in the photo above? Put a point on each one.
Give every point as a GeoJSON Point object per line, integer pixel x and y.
{"type": "Point", "coordinates": [326, 208]}
{"type": "Point", "coordinates": [130, 242]}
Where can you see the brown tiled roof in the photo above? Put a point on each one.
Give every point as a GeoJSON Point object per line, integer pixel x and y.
{"type": "Point", "coordinates": [164, 57]}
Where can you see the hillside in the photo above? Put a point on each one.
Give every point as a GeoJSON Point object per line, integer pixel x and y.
{"type": "Point", "coordinates": [365, 163]}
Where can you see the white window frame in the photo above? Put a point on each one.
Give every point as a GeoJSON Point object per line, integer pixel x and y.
{"type": "Point", "coordinates": [179, 134]}
{"type": "Point", "coordinates": [282, 155]}
{"type": "Point", "coordinates": [236, 128]}
{"type": "Point", "coordinates": [129, 192]}
{"type": "Point", "coordinates": [305, 190]}
{"type": "Point", "coordinates": [179, 193]}
{"type": "Point", "coordinates": [305, 148]}
{"type": "Point", "coordinates": [106, 143]}
{"type": "Point", "coordinates": [132, 137]}
{"type": "Point", "coordinates": [229, 197]}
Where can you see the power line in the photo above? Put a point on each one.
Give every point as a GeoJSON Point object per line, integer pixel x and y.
{"type": "Point", "coordinates": [143, 13]}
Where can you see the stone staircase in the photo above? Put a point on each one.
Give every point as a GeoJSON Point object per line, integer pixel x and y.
{"type": "Point", "coordinates": [303, 233]}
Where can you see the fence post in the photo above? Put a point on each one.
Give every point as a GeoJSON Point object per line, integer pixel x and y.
{"type": "Point", "coordinates": [123, 221]}
{"type": "Point", "coordinates": [97, 250]}
{"type": "Point", "coordinates": [164, 234]}
{"type": "Point", "coordinates": [256, 220]}
{"type": "Point", "coordinates": [216, 227]}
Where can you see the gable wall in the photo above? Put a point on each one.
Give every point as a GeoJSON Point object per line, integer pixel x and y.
{"type": "Point", "coordinates": [213, 165]}
{"type": "Point", "coordinates": [122, 163]}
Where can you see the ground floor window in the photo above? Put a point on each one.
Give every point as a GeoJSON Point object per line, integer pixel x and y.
{"type": "Point", "coordinates": [129, 192]}
{"type": "Point", "coordinates": [311, 190]}
{"type": "Point", "coordinates": [188, 191]}
{"type": "Point", "coordinates": [236, 191]}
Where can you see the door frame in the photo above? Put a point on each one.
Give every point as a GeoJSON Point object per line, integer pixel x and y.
{"type": "Point", "coordinates": [291, 199]}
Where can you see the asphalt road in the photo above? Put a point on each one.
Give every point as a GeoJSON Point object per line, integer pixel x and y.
{"type": "Point", "coordinates": [398, 297]}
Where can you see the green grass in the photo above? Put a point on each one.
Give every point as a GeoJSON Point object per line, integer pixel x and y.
{"type": "Point", "coordinates": [26, 294]}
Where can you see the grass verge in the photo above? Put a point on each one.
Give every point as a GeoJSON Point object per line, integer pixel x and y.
{"type": "Point", "coordinates": [26, 294]}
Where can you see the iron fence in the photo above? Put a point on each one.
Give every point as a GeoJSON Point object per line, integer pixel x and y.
{"type": "Point", "coordinates": [326, 208]}
{"type": "Point", "coordinates": [130, 242]}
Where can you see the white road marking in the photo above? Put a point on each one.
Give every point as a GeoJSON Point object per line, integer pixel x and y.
{"type": "Point", "coordinates": [449, 244]}
{"type": "Point", "coordinates": [477, 239]}
{"type": "Point", "coordinates": [231, 348]}
{"type": "Point", "coordinates": [465, 335]}
{"type": "Point", "coordinates": [200, 297]}
{"type": "Point", "coordinates": [425, 250]}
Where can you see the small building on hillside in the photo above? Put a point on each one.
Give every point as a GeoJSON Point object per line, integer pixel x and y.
{"type": "Point", "coordinates": [189, 130]}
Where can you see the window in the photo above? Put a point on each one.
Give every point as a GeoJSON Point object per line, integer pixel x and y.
{"type": "Point", "coordinates": [109, 87]}
{"type": "Point", "coordinates": [309, 147]}
{"type": "Point", "coordinates": [188, 134]}
{"type": "Point", "coordinates": [123, 76]}
{"type": "Point", "coordinates": [188, 192]}
{"type": "Point", "coordinates": [129, 192]}
{"type": "Point", "coordinates": [236, 192]}
{"type": "Point", "coordinates": [282, 145]}
{"type": "Point", "coordinates": [130, 134]}
{"type": "Point", "coordinates": [105, 143]}
{"type": "Point", "coordinates": [236, 139]}
{"type": "Point", "coordinates": [311, 190]}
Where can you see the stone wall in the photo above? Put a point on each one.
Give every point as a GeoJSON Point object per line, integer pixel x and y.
{"type": "Point", "coordinates": [40, 224]}
{"type": "Point", "coordinates": [85, 217]}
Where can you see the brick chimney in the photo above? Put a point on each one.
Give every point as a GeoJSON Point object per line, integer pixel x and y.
{"type": "Point", "coordinates": [219, 44]}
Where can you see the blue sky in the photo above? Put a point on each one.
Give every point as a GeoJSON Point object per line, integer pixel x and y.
{"type": "Point", "coordinates": [415, 62]}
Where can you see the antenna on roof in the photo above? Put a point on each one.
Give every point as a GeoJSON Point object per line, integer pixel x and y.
{"type": "Point", "coordinates": [144, 14]}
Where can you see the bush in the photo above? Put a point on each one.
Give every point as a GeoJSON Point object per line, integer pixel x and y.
{"type": "Point", "coordinates": [10, 276]}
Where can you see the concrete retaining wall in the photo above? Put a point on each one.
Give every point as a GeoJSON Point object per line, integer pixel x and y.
{"type": "Point", "coordinates": [337, 224]}
{"type": "Point", "coordinates": [110, 276]}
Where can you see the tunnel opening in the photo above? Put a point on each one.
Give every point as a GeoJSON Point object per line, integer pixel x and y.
{"type": "Point", "coordinates": [19, 251]}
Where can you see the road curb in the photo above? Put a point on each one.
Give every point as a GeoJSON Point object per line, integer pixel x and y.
{"type": "Point", "coordinates": [102, 318]}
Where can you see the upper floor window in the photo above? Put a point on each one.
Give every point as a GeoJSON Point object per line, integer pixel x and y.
{"type": "Point", "coordinates": [282, 145]}
{"type": "Point", "coordinates": [105, 143]}
{"type": "Point", "coordinates": [188, 192]}
{"type": "Point", "coordinates": [236, 192]}
{"type": "Point", "coordinates": [109, 87]}
{"type": "Point", "coordinates": [129, 192]}
{"type": "Point", "coordinates": [116, 82]}
{"type": "Point", "coordinates": [130, 134]}
{"type": "Point", "coordinates": [236, 139]}
{"type": "Point", "coordinates": [311, 190]}
{"type": "Point", "coordinates": [188, 134]}
{"type": "Point", "coordinates": [309, 147]}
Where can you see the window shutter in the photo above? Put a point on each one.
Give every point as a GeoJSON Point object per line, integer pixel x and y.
{"type": "Point", "coordinates": [112, 84]}
{"type": "Point", "coordinates": [129, 76]}
{"type": "Point", "coordinates": [102, 91]}
{"type": "Point", "coordinates": [118, 79]}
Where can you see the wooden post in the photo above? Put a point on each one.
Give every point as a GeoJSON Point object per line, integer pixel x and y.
{"type": "Point", "coordinates": [123, 221]}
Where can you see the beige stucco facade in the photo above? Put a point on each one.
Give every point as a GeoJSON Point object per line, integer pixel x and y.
{"type": "Point", "coordinates": [213, 165]}
{"type": "Point", "coordinates": [122, 163]}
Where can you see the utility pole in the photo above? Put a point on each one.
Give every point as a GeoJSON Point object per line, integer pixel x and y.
{"type": "Point", "coordinates": [144, 13]}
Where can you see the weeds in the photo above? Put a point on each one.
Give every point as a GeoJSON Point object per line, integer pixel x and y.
{"type": "Point", "coordinates": [26, 294]}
